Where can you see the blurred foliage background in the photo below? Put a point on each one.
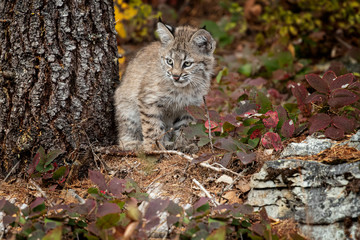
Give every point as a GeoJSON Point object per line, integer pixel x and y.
{"type": "Point", "coordinates": [312, 27]}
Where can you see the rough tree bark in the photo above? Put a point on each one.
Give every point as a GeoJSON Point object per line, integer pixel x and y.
{"type": "Point", "coordinates": [58, 67]}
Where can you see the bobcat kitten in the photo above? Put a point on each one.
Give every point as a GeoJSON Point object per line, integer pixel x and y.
{"type": "Point", "coordinates": [162, 79]}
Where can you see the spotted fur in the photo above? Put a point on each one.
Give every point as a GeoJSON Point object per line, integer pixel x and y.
{"type": "Point", "coordinates": [162, 79]}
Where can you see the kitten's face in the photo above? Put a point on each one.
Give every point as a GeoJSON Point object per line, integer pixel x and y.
{"type": "Point", "coordinates": [186, 55]}
{"type": "Point", "coordinates": [180, 67]}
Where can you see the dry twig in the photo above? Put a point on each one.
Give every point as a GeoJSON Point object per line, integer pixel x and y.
{"type": "Point", "coordinates": [208, 117]}
{"type": "Point", "coordinates": [206, 192]}
{"type": "Point", "coordinates": [40, 190]}
{"type": "Point", "coordinates": [13, 168]}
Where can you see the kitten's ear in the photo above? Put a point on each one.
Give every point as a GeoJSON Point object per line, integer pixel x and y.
{"type": "Point", "coordinates": [165, 33]}
{"type": "Point", "coordinates": [203, 41]}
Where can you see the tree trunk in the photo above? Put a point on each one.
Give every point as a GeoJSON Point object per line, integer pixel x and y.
{"type": "Point", "coordinates": [58, 68]}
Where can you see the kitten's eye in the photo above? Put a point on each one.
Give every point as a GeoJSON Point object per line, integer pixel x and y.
{"type": "Point", "coordinates": [169, 61]}
{"type": "Point", "coordinates": [187, 64]}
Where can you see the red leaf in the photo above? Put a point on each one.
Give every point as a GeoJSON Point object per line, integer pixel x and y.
{"type": "Point", "coordinates": [272, 119]}
{"type": "Point", "coordinates": [230, 118]}
{"type": "Point", "coordinates": [355, 86]}
{"type": "Point", "coordinates": [257, 82]}
{"type": "Point", "coordinates": [34, 163]}
{"type": "Point", "coordinates": [245, 106]}
{"type": "Point", "coordinates": [348, 125]}
{"type": "Point", "coordinates": [197, 112]}
{"type": "Point", "coordinates": [342, 97]}
{"type": "Point", "coordinates": [212, 124]}
{"type": "Point", "coordinates": [226, 159]}
{"type": "Point", "coordinates": [317, 83]}
{"type": "Point", "coordinates": [300, 92]}
{"type": "Point", "coordinates": [271, 140]}
{"type": "Point", "coordinates": [246, 158]}
{"type": "Point", "coordinates": [319, 122]}
{"type": "Point", "coordinates": [329, 77]}
{"type": "Point", "coordinates": [315, 97]}
{"type": "Point", "coordinates": [255, 134]}
{"type": "Point", "coordinates": [288, 128]}
{"type": "Point", "coordinates": [334, 133]}
{"type": "Point", "coordinates": [36, 203]}
{"type": "Point", "coordinates": [117, 186]}
{"type": "Point", "coordinates": [214, 116]}
{"type": "Point", "coordinates": [204, 157]}
{"type": "Point", "coordinates": [107, 208]}
{"type": "Point", "coordinates": [227, 143]}
{"type": "Point", "coordinates": [155, 207]}
{"type": "Point", "coordinates": [342, 81]}
{"type": "Point", "coordinates": [282, 113]}
{"type": "Point", "coordinates": [98, 178]}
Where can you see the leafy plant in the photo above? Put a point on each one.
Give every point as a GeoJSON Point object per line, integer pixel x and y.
{"type": "Point", "coordinates": [225, 30]}
{"type": "Point", "coordinates": [132, 18]}
{"type": "Point", "coordinates": [254, 121]}
{"type": "Point", "coordinates": [112, 212]}
{"type": "Point", "coordinates": [335, 102]}
{"type": "Point", "coordinates": [43, 167]}
{"type": "Point", "coordinates": [313, 22]}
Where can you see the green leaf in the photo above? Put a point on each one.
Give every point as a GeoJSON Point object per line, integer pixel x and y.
{"type": "Point", "coordinates": [48, 168]}
{"type": "Point", "coordinates": [57, 223]}
{"type": "Point", "coordinates": [108, 221]}
{"type": "Point", "coordinates": [245, 69]}
{"type": "Point", "coordinates": [54, 234]}
{"type": "Point", "coordinates": [187, 220]}
{"type": "Point", "coordinates": [218, 234]}
{"type": "Point", "coordinates": [50, 157]}
{"type": "Point", "coordinates": [93, 190]}
{"type": "Point", "coordinates": [37, 234]}
{"type": "Point", "coordinates": [42, 156]}
{"type": "Point", "coordinates": [264, 102]}
{"type": "Point", "coordinates": [212, 220]}
{"type": "Point", "coordinates": [203, 208]}
{"type": "Point", "coordinates": [223, 72]}
{"type": "Point", "coordinates": [203, 141]}
{"type": "Point", "coordinates": [39, 208]}
{"type": "Point", "coordinates": [81, 224]}
{"type": "Point", "coordinates": [59, 173]}
{"type": "Point", "coordinates": [250, 121]}
{"type": "Point", "coordinates": [195, 130]}
{"type": "Point", "coordinates": [254, 142]}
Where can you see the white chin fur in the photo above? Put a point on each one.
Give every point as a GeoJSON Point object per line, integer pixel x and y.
{"type": "Point", "coordinates": [181, 84]}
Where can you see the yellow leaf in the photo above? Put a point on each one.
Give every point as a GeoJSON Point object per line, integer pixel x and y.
{"type": "Point", "coordinates": [291, 49]}
{"type": "Point", "coordinates": [118, 15]}
{"type": "Point", "coordinates": [120, 29]}
{"type": "Point", "coordinates": [129, 13]}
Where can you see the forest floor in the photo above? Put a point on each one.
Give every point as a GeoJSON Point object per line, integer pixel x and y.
{"type": "Point", "coordinates": [175, 173]}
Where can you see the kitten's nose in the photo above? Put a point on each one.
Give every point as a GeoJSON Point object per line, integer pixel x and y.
{"type": "Point", "coordinates": [176, 77]}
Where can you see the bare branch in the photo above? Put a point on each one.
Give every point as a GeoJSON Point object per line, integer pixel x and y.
{"type": "Point", "coordinates": [206, 192]}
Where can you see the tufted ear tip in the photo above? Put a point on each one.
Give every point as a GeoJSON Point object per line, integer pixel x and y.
{"type": "Point", "coordinates": [165, 32]}
{"type": "Point", "coordinates": [204, 42]}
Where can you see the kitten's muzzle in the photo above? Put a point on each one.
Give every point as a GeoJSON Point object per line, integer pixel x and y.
{"type": "Point", "coordinates": [176, 77]}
